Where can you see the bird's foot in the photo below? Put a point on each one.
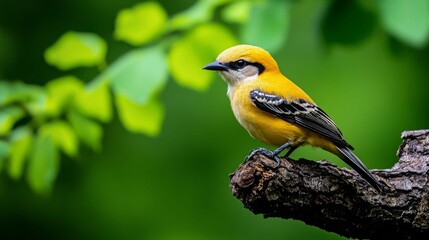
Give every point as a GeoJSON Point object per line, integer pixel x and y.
{"type": "Point", "coordinates": [265, 152]}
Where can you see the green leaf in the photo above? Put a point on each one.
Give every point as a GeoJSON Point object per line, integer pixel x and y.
{"type": "Point", "coordinates": [194, 50]}
{"type": "Point", "coordinates": [140, 118]}
{"type": "Point", "coordinates": [32, 97]}
{"type": "Point", "coordinates": [21, 140]}
{"type": "Point", "coordinates": [90, 132]}
{"type": "Point", "coordinates": [8, 117]}
{"type": "Point", "coordinates": [237, 12]}
{"type": "Point", "coordinates": [342, 16]}
{"type": "Point", "coordinates": [38, 107]}
{"type": "Point", "coordinates": [201, 11]}
{"type": "Point", "coordinates": [43, 165]}
{"type": "Point", "coordinates": [4, 149]}
{"type": "Point", "coordinates": [408, 20]}
{"type": "Point", "coordinates": [75, 49]}
{"type": "Point", "coordinates": [4, 93]}
{"type": "Point", "coordinates": [60, 94]}
{"type": "Point", "coordinates": [4, 152]}
{"type": "Point", "coordinates": [139, 75]}
{"type": "Point", "coordinates": [62, 135]}
{"type": "Point", "coordinates": [94, 101]}
{"type": "Point", "coordinates": [268, 25]}
{"type": "Point", "coordinates": [18, 92]}
{"type": "Point", "coordinates": [141, 24]}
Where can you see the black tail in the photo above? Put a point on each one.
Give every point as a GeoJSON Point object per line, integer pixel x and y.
{"type": "Point", "coordinates": [358, 166]}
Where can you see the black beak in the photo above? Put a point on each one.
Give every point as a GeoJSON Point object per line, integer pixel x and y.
{"type": "Point", "coordinates": [215, 66]}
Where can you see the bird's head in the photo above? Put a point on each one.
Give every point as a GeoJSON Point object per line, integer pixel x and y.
{"type": "Point", "coordinates": [241, 63]}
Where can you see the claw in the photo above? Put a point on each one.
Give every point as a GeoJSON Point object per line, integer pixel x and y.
{"type": "Point", "coordinates": [265, 152]}
{"type": "Point", "coordinates": [253, 153]}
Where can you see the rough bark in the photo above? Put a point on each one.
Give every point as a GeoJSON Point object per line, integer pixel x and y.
{"type": "Point", "coordinates": [338, 199]}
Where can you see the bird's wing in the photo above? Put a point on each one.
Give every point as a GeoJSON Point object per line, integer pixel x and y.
{"type": "Point", "coordinates": [301, 113]}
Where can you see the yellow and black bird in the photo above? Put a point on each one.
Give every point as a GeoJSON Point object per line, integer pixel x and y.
{"type": "Point", "coordinates": [276, 111]}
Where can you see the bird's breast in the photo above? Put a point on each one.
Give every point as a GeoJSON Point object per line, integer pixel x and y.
{"type": "Point", "coordinates": [260, 124]}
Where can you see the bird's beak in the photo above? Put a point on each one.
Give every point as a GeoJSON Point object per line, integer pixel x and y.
{"type": "Point", "coordinates": [215, 66]}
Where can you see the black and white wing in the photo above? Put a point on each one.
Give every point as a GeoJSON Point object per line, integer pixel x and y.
{"type": "Point", "coordinates": [301, 113]}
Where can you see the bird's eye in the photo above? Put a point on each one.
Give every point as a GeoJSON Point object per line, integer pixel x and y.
{"type": "Point", "coordinates": [240, 63]}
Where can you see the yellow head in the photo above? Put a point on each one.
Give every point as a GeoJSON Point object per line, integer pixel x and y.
{"type": "Point", "coordinates": [242, 63]}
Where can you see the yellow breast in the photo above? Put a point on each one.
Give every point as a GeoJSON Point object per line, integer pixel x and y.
{"type": "Point", "coordinates": [261, 125]}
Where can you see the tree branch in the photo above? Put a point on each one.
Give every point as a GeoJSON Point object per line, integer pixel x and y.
{"type": "Point", "coordinates": [338, 199]}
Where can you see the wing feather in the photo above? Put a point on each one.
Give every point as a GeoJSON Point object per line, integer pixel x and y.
{"type": "Point", "coordinates": [301, 113]}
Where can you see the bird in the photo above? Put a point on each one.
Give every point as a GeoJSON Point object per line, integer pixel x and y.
{"type": "Point", "coordinates": [276, 111]}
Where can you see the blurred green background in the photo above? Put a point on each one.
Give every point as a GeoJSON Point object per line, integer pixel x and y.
{"type": "Point", "coordinates": [175, 185]}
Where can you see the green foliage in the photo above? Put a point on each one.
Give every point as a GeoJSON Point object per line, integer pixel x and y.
{"type": "Point", "coordinates": [18, 93]}
{"type": "Point", "coordinates": [89, 131]}
{"type": "Point", "coordinates": [141, 24]}
{"type": "Point", "coordinates": [39, 123]}
{"type": "Point", "coordinates": [63, 136]}
{"type": "Point", "coordinates": [20, 140]}
{"type": "Point", "coordinates": [94, 101]}
{"type": "Point", "coordinates": [342, 16]}
{"type": "Point", "coordinates": [140, 74]}
{"type": "Point", "coordinates": [202, 11]}
{"type": "Point", "coordinates": [8, 117]}
{"type": "Point", "coordinates": [237, 12]}
{"type": "Point", "coordinates": [75, 49]}
{"type": "Point", "coordinates": [60, 94]}
{"type": "Point", "coordinates": [131, 114]}
{"type": "Point", "coordinates": [4, 152]}
{"type": "Point", "coordinates": [267, 27]}
{"type": "Point", "coordinates": [198, 47]}
{"type": "Point", "coordinates": [43, 164]}
{"type": "Point", "coordinates": [408, 20]}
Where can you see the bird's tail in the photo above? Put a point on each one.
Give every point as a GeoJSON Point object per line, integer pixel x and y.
{"type": "Point", "coordinates": [354, 162]}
